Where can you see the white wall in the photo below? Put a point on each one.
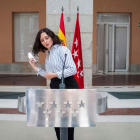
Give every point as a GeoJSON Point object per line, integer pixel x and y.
{"type": "Point", "coordinates": [53, 13]}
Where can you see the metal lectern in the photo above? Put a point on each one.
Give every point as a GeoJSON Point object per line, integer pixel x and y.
{"type": "Point", "coordinates": [61, 107]}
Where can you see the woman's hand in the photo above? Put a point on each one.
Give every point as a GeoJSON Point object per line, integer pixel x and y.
{"type": "Point", "coordinates": [50, 75]}
{"type": "Point", "coordinates": [32, 63]}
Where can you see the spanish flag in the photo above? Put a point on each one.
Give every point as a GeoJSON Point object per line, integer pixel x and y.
{"type": "Point", "coordinates": [61, 33]}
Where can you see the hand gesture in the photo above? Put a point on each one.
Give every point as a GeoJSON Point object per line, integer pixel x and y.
{"type": "Point", "coordinates": [32, 63]}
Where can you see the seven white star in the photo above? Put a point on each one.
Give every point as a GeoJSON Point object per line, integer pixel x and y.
{"type": "Point", "coordinates": [61, 113]}
{"type": "Point", "coordinates": [79, 63]}
{"type": "Point", "coordinates": [75, 53]}
{"type": "Point", "coordinates": [76, 42]}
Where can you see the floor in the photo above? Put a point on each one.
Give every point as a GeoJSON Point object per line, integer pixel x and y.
{"type": "Point", "coordinates": [21, 80]}
{"type": "Point", "coordinates": [116, 80]}
{"type": "Point", "coordinates": [109, 127]}
{"type": "Point", "coordinates": [17, 130]}
{"type": "Point", "coordinates": [97, 80]}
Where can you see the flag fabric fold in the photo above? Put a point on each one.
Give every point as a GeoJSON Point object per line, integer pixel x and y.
{"type": "Point", "coordinates": [61, 33]}
{"type": "Point", "coordinates": [77, 54]}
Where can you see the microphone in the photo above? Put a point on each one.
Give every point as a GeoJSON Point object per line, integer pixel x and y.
{"type": "Point", "coordinates": [62, 84]}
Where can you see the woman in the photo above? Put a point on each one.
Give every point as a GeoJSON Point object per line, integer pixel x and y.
{"type": "Point", "coordinates": [47, 41]}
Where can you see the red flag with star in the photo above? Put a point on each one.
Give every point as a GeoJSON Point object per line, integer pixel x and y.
{"type": "Point", "coordinates": [77, 55]}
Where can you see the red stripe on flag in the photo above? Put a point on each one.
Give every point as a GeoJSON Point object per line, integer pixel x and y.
{"type": "Point", "coordinates": [62, 27]}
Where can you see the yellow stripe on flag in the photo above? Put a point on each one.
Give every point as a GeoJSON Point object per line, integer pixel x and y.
{"type": "Point", "coordinates": [62, 36]}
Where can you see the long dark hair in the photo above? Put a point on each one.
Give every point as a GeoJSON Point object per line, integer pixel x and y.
{"type": "Point", "coordinates": [37, 47]}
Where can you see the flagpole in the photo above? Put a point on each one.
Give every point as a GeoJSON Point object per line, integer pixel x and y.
{"type": "Point", "coordinates": [78, 9]}
{"type": "Point", "coordinates": [62, 9]}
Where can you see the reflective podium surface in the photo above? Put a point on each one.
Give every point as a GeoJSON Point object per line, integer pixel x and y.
{"type": "Point", "coordinates": [61, 107]}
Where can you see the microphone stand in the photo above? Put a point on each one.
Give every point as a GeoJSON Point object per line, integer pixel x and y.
{"type": "Point", "coordinates": [62, 84]}
{"type": "Point", "coordinates": [63, 130]}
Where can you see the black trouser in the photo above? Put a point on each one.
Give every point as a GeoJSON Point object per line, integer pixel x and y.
{"type": "Point", "coordinates": [70, 83]}
{"type": "Point", "coordinates": [70, 133]}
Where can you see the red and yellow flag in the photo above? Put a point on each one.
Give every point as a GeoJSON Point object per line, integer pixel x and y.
{"type": "Point", "coordinates": [61, 33]}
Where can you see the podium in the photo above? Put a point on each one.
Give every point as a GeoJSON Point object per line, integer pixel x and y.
{"type": "Point", "coordinates": [61, 108]}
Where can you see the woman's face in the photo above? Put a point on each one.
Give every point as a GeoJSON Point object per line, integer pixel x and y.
{"type": "Point", "coordinates": [46, 40]}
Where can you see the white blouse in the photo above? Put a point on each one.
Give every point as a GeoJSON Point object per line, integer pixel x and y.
{"type": "Point", "coordinates": [54, 62]}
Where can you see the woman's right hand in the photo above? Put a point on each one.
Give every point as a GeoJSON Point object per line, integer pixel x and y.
{"type": "Point", "coordinates": [32, 63]}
